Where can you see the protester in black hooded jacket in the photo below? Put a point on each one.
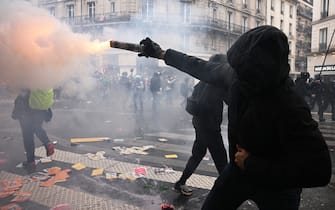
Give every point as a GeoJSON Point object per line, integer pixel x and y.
{"type": "Point", "coordinates": [275, 146]}
{"type": "Point", "coordinates": [206, 107]}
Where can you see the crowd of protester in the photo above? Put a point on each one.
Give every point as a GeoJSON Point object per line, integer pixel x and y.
{"type": "Point", "coordinates": [319, 93]}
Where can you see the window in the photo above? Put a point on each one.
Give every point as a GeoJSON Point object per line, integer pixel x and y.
{"type": "Point", "coordinates": [113, 7]}
{"type": "Point", "coordinates": [290, 29]}
{"type": "Point", "coordinates": [258, 6]}
{"type": "Point", "coordinates": [230, 21]}
{"type": "Point", "coordinates": [258, 23]}
{"type": "Point", "coordinates": [147, 8]}
{"type": "Point", "coordinates": [245, 3]}
{"type": "Point", "coordinates": [70, 11]}
{"type": "Point", "coordinates": [291, 11]}
{"type": "Point", "coordinates": [244, 24]}
{"type": "Point", "coordinates": [289, 47]}
{"type": "Point", "coordinates": [215, 15]}
{"type": "Point", "coordinates": [282, 7]}
{"type": "Point", "coordinates": [272, 5]}
{"type": "Point", "coordinates": [185, 11]}
{"type": "Point", "coordinates": [281, 24]}
{"type": "Point", "coordinates": [91, 9]}
{"type": "Point", "coordinates": [271, 20]}
{"type": "Point", "coordinates": [52, 11]}
{"type": "Point", "coordinates": [323, 39]}
{"type": "Point", "coordinates": [324, 8]}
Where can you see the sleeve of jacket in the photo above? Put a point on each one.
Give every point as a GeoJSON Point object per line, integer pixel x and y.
{"type": "Point", "coordinates": [305, 159]}
{"type": "Point", "coordinates": [219, 75]}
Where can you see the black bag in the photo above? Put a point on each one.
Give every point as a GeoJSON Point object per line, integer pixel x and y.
{"type": "Point", "coordinates": [196, 103]}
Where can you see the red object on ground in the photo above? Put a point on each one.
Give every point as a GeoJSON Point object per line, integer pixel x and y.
{"type": "Point", "coordinates": [166, 206]}
{"type": "Point", "coordinates": [61, 207]}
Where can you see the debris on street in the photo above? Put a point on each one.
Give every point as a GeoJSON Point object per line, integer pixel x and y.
{"type": "Point", "coordinates": [78, 166]}
{"type": "Point", "coordinates": [171, 156]}
{"type": "Point", "coordinates": [93, 139]}
{"type": "Point", "coordinates": [21, 196]}
{"type": "Point", "coordinates": [97, 156]}
{"type": "Point", "coordinates": [97, 172]}
{"type": "Point", "coordinates": [133, 150]}
{"type": "Point", "coordinates": [162, 139]}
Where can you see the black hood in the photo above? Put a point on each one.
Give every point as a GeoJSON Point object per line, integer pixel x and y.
{"type": "Point", "coordinates": [260, 57]}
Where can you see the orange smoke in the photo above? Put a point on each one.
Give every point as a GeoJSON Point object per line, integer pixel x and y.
{"type": "Point", "coordinates": [37, 50]}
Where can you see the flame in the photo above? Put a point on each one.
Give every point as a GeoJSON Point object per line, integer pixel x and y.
{"type": "Point", "coordinates": [97, 46]}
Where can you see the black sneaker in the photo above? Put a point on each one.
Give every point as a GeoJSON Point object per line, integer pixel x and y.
{"type": "Point", "coordinates": [183, 189]}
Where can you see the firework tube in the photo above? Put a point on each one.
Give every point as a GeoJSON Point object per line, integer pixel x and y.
{"type": "Point", "coordinates": [126, 46]}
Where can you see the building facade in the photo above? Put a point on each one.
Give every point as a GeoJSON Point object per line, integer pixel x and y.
{"type": "Point", "coordinates": [303, 34]}
{"type": "Point", "coordinates": [322, 57]}
{"type": "Point", "coordinates": [198, 27]}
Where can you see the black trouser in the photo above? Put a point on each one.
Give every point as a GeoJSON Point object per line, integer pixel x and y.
{"type": "Point", "coordinates": [231, 189]}
{"type": "Point", "coordinates": [31, 124]}
{"type": "Point", "coordinates": [210, 139]}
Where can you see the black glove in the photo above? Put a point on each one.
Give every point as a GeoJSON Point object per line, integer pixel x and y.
{"type": "Point", "coordinates": [151, 49]}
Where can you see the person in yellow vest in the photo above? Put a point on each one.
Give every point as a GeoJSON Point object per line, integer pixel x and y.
{"type": "Point", "coordinates": [32, 108]}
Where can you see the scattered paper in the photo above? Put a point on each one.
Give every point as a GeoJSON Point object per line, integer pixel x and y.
{"type": "Point", "coordinates": [140, 171]}
{"type": "Point", "coordinates": [111, 175]}
{"type": "Point", "coordinates": [5, 194]}
{"type": "Point", "coordinates": [61, 207]}
{"type": "Point", "coordinates": [97, 156]}
{"type": "Point", "coordinates": [78, 166]}
{"type": "Point", "coordinates": [162, 140]}
{"type": "Point", "coordinates": [12, 206]}
{"type": "Point", "coordinates": [133, 150]}
{"type": "Point", "coordinates": [53, 170]}
{"type": "Point", "coordinates": [97, 172]}
{"type": "Point", "coordinates": [46, 160]}
{"type": "Point", "coordinates": [22, 196]}
{"type": "Point", "coordinates": [171, 156]}
{"type": "Point", "coordinates": [39, 177]}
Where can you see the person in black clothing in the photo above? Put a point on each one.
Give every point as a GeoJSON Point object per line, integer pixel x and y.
{"type": "Point", "coordinates": [329, 98]}
{"type": "Point", "coordinates": [318, 90]}
{"type": "Point", "coordinates": [155, 88]}
{"type": "Point", "coordinates": [206, 109]}
{"type": "Point", "coordinates": [275, 146]}
{"type": "Point", "coordinates": [31, 123]}
{"type": "Point", "coordinates": [302, 87]}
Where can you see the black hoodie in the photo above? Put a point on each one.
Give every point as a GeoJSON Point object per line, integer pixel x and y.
{"type": "Point", "coordinates": [265, 115]}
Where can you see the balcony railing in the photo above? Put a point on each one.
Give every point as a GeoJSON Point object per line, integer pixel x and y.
{"type": "Point", "coordinates": [193, 21]}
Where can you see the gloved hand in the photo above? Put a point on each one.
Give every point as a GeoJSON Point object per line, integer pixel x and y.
{"type": "Point", "coordinates": [151, 49]}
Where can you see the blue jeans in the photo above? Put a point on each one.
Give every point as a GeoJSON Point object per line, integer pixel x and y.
{"type": "Point", "coordinates": [231, 189]}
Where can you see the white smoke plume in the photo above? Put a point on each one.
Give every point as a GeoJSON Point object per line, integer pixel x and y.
{"type": "Point", "coordinates": [38, 51]}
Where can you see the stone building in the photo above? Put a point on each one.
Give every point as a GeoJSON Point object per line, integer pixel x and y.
{"type": "Point", "coordinates": [323, 41]}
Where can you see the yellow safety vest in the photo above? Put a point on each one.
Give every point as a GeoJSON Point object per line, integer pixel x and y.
{"type": "Point", "coordinates": [41, 99]}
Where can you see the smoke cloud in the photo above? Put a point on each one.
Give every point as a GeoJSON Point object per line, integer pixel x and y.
{"type": "Point", "coordinates": [38, 51]}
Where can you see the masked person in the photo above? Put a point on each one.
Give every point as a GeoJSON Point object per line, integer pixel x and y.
{"type": "Point", "coordinates": [275, 146]}
{"type": "Point", "coordinates": [32, 108]}
{"type": "Point", "coordinates": [206, 106]}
